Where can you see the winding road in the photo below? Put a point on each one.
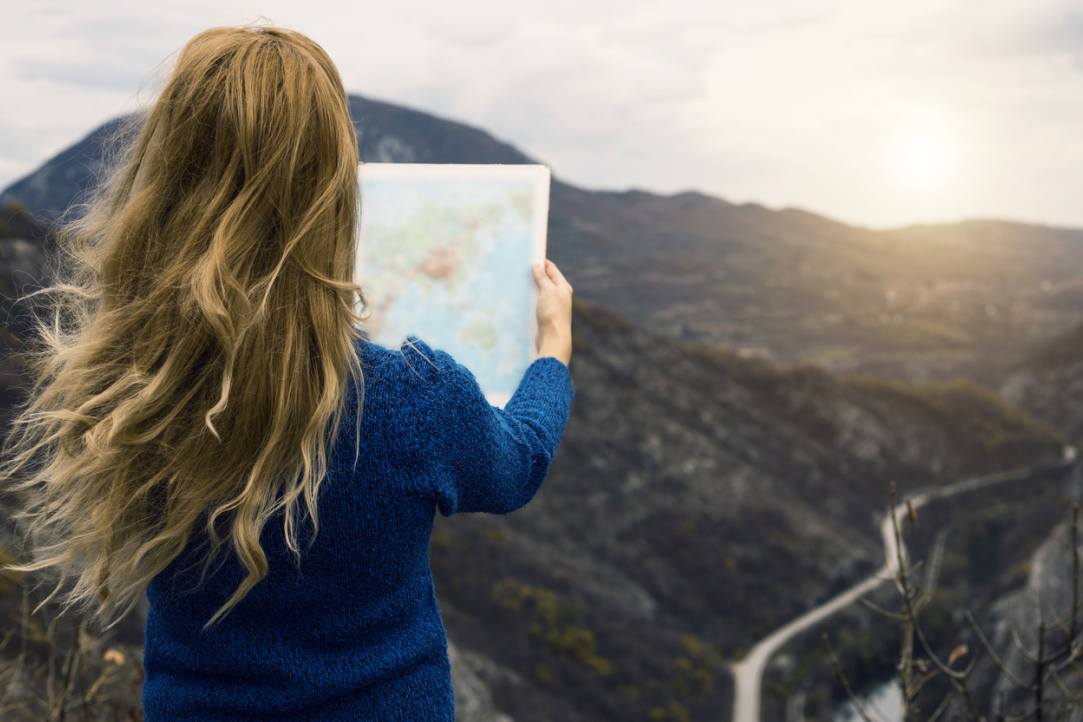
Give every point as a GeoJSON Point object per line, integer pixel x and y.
{"type": "Point", "coordinates": [748, 673]}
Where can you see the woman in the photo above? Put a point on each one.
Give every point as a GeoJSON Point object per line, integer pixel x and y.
{"type": "Point", "coordinates": [211, 427]}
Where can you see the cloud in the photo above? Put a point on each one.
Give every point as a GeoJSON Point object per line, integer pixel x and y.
{"type": "Point", "coordinates": [784, 101]}
{"type": "Point", "coordinates": [1059, 34]}
{"type": "Point", "coordinates": [16, 146]}
{"type": "Point", "coordinates": [129, 28]}
{"type": "Point", "coordinates": [110, 46]}
{"type": "Point", "coordinates": [112, 75]}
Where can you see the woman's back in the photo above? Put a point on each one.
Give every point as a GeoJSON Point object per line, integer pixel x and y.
{"type": "Point", "coordinates": [353, 631]}
{"type": "Point", "coordinates": [210, 426]}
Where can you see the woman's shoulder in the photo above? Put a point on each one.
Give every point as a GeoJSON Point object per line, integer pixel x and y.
{"type": "Point", "coordinates": [414, 383]}
{"type": "Point", "coordinates": [414, 361]}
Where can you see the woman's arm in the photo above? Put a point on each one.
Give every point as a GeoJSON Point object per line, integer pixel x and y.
{"type": "Point", "coordinates": [481, 458]}
{"type": "Point", "coordinates": [494, 460]}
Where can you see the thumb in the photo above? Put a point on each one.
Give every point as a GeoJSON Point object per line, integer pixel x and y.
{"type": "Point", "coordinates": [540, 276]}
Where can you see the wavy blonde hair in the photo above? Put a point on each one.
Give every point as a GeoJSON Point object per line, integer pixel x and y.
{"type": "Point", "coordinates": [191, 368]}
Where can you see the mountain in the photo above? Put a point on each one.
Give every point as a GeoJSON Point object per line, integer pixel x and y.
{"type": "Point", "coordinates": [703, 496]}
{"type": "Point", "coordinates": [917, 303]}
{"type": "Point", "coordinates": [385, 134]}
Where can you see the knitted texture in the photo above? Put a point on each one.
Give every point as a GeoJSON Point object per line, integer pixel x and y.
{"type": "Point", "coordinates": [353, 632]}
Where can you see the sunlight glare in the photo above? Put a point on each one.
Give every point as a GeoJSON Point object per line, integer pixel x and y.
{"type": "Point", "coordinates": [925, 162]}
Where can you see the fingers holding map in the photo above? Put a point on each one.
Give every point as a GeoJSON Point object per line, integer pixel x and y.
{"type": "Point", "coordinates": [445, 254]}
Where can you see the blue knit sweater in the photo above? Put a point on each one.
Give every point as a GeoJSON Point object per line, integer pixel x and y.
{"type": "Point", "coordinates": [354, 632]}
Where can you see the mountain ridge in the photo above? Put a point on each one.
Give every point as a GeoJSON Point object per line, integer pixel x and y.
{"type": "Point", "coordinates": [921, 302]}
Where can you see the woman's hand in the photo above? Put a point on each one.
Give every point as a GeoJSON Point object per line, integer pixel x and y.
{"type": "Point", "coordinates": [554, 312]}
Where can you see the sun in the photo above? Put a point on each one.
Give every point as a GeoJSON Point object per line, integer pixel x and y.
{"type": "Point", "coordinates": [924, 161]}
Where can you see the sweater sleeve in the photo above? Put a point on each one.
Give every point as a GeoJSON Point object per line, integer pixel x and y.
{"type": "Point", "coordinates": [485, 459]}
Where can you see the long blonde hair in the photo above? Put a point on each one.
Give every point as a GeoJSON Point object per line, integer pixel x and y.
{"type": "Point", "coordinates": [191, 368]}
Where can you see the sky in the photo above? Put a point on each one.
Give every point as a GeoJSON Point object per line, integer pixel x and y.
{"type": "Point", "coordinates": [874, 112]}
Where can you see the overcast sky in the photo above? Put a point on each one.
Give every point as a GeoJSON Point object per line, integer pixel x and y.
{"type": "Point", "coordinates": [875, 112]}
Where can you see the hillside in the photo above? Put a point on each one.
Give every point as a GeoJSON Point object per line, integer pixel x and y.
{"type": "Point", "coordinates": [1048, 382]}
{"type": "Point", "coordinates": [698, 501]}
{"type": "Point", "coordinates": [917, 303]}
{"type": "Point", "coordinates": [926, 302]}
{"type": "Point", "coordinates": [702, 496]}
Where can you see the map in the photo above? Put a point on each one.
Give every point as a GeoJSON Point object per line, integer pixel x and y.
{"type": "Point", "coordinates": [444, 255]}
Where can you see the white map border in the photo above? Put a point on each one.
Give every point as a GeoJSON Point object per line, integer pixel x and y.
{"type": "Point", "coordinates": [539, 175]}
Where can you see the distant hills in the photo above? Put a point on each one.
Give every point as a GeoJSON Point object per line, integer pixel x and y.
{"type": "Point", "coordinates": [924, 302]}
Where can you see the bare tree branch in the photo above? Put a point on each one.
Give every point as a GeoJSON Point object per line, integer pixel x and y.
{"type": "Point", "coordinates": [1019, 644]}
{"type": "Point", "coordinates": [992, 653]}
{"type": "Point", "coordinates": [881, 611]}
{"type": "Point", "coordinates": [1075, 569]}
{"type": "Point", "coordinates": [940, 710]}
{"type": "Point", "coordinates": [842, 677]}
{"type": "Point", "coordinates": [956, 677]}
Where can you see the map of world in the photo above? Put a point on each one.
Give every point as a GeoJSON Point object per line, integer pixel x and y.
{"type": "Point", "coordinates": [445, 254]}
